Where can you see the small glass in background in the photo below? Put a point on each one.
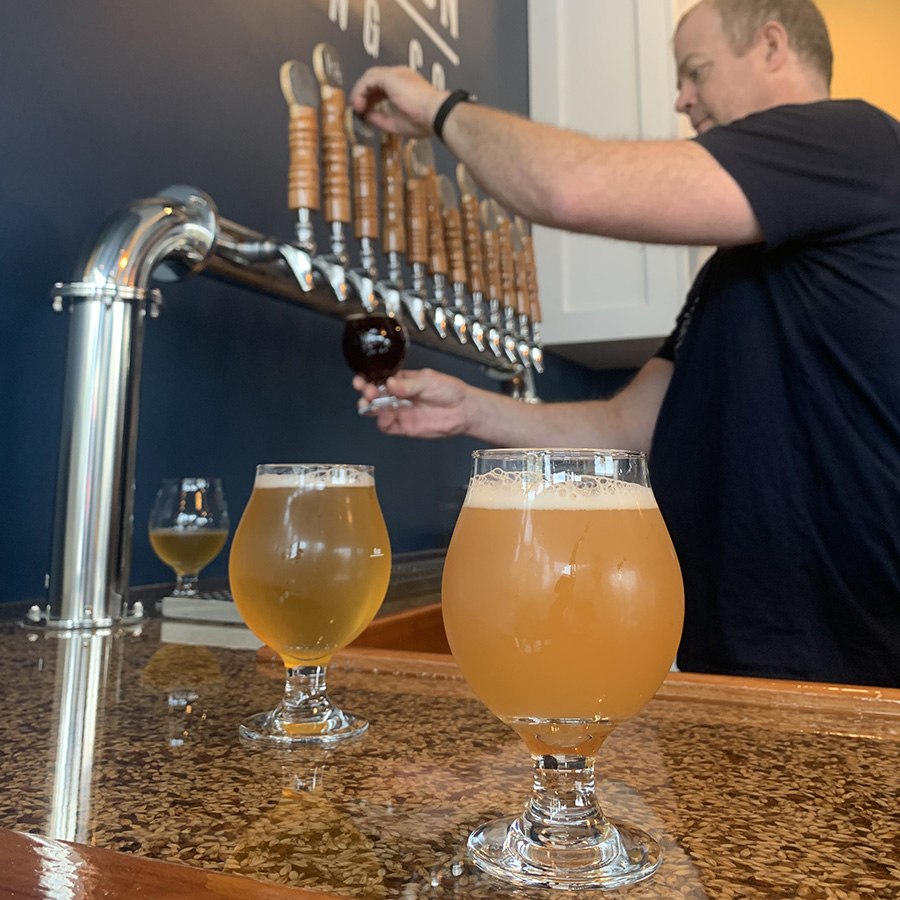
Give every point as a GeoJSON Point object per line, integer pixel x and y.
{"type": "Point", "coordinates": [188, 528]}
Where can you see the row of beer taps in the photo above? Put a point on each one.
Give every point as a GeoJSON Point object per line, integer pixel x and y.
{"type": "Point", "coordinates": [454, 262]}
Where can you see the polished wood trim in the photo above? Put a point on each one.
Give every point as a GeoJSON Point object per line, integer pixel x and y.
{"type": "Point", "coordinates": [38, 868]}
{"type": "Point", "coordinates": [419, 629]}
{"type": "Point", "coordinates": [777, 692]}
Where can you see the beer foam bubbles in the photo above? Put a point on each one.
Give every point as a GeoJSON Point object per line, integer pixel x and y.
{"type": "Point", "coordinates": [313, 477]}
{"type": "Point", "coordinates": [517, 490]}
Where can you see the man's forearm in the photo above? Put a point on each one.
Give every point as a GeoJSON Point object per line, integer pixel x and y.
{"type": "Point", "coordinates": [505, 422]}
{"type": "Point", "coordinates": [624, 422]}
{"type": "Point", "coordinates": [630, 190]}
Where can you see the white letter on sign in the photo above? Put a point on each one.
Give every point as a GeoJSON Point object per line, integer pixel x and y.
{"type": "Point", "coordinates": [372, 28]}
{"type": "Point", "coordinates": [416, 55]}
{"type": "Point", "coordinates": [337, 12]}
{"type": "Point", "coordinates": [450, 16]}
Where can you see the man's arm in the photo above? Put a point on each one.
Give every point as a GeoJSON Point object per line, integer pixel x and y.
{"type": "Point", "coordinates": [656, 191]}
{"type": "Point", "coordinates": [443, 406]}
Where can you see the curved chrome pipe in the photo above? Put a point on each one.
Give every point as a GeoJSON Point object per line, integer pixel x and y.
{"type": "Point", "coordinates": [95, 486]}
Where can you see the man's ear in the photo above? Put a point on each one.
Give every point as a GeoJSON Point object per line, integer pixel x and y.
{"type": "Point", "coordinates": [774, 44]}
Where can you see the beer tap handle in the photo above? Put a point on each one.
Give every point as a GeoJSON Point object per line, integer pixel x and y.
{"type": "Point", "coordinates": [491, 251]}
{"type": "Point", "coordinates": [416, 244]}
{"type": "Point", "coordinates": [360, 137]}
{"type": "Point", "coordinates": [520, 268]}
{"type": "Point", "coordinates": [463, 324]}
{"type": "Point", "coordinates": [336, 176]}
{"type": "Point", "coordinates": [471, 230]}
{"type": "Point", "coordinates": [421, 164]}
{"type": "Point", "coordinates": [502, 315]}
{"type": "Point", "coordinates": [537, 353]}
{"type": "Point", "coordinates": [507, 268]}
{"type": "Point", "coordinates": [416, 222]}
{"type": "Point", "coordinates": [453, 231]}
{"type": "Point", "coordinates": [365, 192]}
{"type": "Point", "coordinates": [530, 268]}
{"type": "Point", "coordinates": [522, 302]}
{"type": "Point", "coordinates": [392, 190]}
{"type": "Point", "coordinates": [301, 92]}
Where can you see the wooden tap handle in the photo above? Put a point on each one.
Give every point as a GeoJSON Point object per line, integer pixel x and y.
{"type": "Point", "coordinates": [452, 231]}
{"type": "Point", "coordinates": [507, 266]}
{"type": "Point", "coordinates": [472, 238]}
{"type": "Point", "coordinates": [335, 171]}
{"type": "Point", "coordinates": [491, 246]}
{"type": "Point", "coordinates": [531, 269]}
{"type": "Point", "coordinates": [416, 221]}
{"type": "Point", "coordinates": [303, 167]}
{"type": "Point", "coordinates": [301, 93]}
{"type": "Point", "coordinates": [455, 249]}
{"type": "Point", "coordinates": [392, 195]}
{"type": "Point", "coordinates": [523, 291]}
{"type": "Point", "coordinates": [365, 192]}
{"type": "Point", "coordinates": [437, 246]}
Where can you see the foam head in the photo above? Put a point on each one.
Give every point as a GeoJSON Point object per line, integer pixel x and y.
{"type": "Point", "coordinates": [313, 476]}
{"type": "Point", "coordinates": [518, 490]}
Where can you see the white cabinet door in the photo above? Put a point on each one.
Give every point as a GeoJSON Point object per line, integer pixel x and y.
{"type": "Point", "coordinates": [604, 67]}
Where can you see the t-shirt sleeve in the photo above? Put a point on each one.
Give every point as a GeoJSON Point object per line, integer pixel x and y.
{"type": "Point", "coordinates": [667, 347]}
{"type": "Point", "coordinates": [810, 171]}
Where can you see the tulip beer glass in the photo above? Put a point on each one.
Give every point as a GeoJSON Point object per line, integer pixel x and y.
{"type": "Point", "coordinates": [374, 345]}
{"type": "Point", "coordinates": [563, 606]}
{"type": "Point", "coordinates": [188, 527]}
{"type": "Point", "coordinates": [309, 568]}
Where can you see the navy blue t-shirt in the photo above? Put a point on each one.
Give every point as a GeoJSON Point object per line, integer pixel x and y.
{"type": "Point", "coordinates": [776, 455]}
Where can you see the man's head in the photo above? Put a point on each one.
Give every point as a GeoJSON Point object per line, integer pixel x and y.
{"type": "Point", "coordinates": [736, 57]}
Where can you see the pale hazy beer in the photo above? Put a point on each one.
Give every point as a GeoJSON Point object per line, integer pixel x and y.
{"type": "Point", "coordinates": [310, 560]}
{"type": "Point", "coordinates": [563, 604]}
{"type": "Point", "coordinates": [187, 550]}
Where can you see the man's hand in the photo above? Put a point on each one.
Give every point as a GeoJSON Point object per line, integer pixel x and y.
{"type": "Point", "coordinates": [438, 408]}
{"type": "Point", "coordinates": [397, 100]}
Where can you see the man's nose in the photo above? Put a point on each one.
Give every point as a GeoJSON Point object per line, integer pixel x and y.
{"type": "Point", "coordinates": [684, 99]}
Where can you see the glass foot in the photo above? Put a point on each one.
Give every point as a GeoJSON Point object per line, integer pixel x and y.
{"type": "Point", "coordinates": [384, 401]}
{"type": "Point", "coordinates": [273, 730]}
{"type": "Point", "coordinates": [618, 856]}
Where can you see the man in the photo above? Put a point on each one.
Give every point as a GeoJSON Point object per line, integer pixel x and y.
{"type": "Point", "coordinates": [772, 412]}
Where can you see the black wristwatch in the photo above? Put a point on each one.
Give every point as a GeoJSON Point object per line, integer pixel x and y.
{"type": "Point", "coordinates": [444, 110]}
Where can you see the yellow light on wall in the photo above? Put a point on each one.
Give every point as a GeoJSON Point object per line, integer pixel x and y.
{"type": "Point", "coordinates": [865, 36]}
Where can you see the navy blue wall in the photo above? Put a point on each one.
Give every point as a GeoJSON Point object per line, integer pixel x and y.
{"type": "Point", "coordinates": [103, 102]}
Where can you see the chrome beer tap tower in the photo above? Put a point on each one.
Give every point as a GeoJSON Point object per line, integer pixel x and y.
{"type": "Point", "coordinates": [450, 298]}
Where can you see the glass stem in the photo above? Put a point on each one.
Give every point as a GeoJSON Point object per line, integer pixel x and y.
{"type": "Point", "coordinates": [186, 584]}
{"type": "Point", "coordinates": [563, 810]}
{"type": "Point", "coordinates": [305, 695]}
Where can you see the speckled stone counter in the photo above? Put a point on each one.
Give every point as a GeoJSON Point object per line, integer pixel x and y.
{"type": "Point", "coordinates": [754, 789]}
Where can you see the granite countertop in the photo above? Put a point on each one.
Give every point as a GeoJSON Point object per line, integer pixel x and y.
{"type": "Point", "coordinates": [754, 789]}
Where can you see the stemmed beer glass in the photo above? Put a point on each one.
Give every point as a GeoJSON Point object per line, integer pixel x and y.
{"type": "Point", "coordinates": [374, 345]}
{"type": "Point", "coordinates": [309, 568]}
{"type": "Point", "coordinates": [188, 527]}
{"type": "Point", "coordinates": [563, 606]}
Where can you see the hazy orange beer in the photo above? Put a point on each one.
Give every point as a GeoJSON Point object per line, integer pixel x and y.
{"type": "Point", "coordinates": [562, 602]}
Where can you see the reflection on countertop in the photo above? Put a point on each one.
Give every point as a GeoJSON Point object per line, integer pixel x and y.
{"type": "Point", "coordinates": [117, 740]}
